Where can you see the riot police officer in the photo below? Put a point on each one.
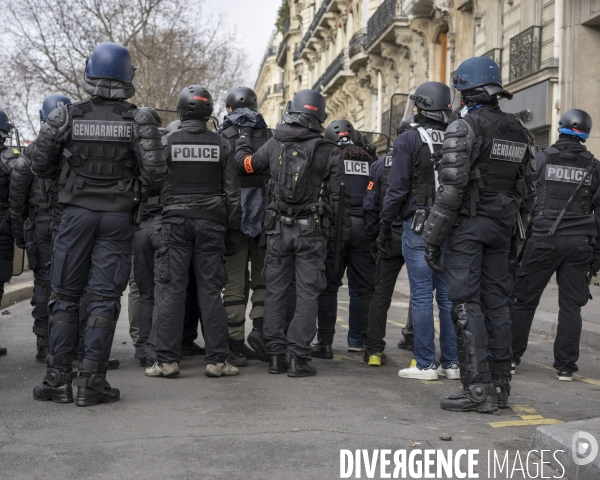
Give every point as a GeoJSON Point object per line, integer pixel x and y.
{"type": "Point", "coordinates": [564, 240]}
{"type": "Point", "coordinates": [8, 157]}
{"type": "Point", "coordinates": [355, 254]}
{"type": "Point", "coordinates": [486, 189]}
{"type": "Point", "coordinates": [32, 200]}
{"type": "Point", "coordinates": [109, 148]}
{"type": "Point", "coordinates": [242, 111]}
{"type": "Point", "coordinates": [410, 195]}
{"type": "Point", "coordinates": [200, 223]}
{"type": "Point", "coordinates": [306, 172]}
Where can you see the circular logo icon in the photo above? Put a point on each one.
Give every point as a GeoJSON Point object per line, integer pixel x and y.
{"type": "Point", "coordinates": [584, 448]}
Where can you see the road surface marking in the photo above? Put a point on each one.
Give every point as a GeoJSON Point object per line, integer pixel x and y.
{"type": "Point", "coordinates": [529, 417]}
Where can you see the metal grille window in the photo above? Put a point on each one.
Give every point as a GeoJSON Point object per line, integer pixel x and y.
{"type": "Point", "coordinates": [525, 53]}
{"type": "Point", "coordinates": [542, 138]}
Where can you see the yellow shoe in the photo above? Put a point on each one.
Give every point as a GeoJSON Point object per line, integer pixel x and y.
{"type": "Point", "coordinates": [413, 363]}
{"type": "Point", "coordinates": [377, 359]}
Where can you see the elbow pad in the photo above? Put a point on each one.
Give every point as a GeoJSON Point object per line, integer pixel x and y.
{"type": "Point", "coordinates": [20, 182]}
{"type": "Point", "coordinates": [455, 163]}
{"type": "Point", "coordinates": [47, 148]}
{"type": "Point", "coordinates": [438, 225]}
{"type": "Point", "coordinates": [149, 149]}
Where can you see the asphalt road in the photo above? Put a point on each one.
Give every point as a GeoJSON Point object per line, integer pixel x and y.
{"type": "Point", "coordinates": [260, 426]}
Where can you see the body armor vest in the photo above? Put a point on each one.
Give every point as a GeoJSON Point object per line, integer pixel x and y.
{"type": "Point", "coordinates": [260, 136]}
{"type": "Point", "coordinates": [357, 176]}
{"type": "Point", "coordinates": [100, 167]}
{"type": "Point", "coordinates": [195, 160]}
{"type": "Point", "coordinates": [7, 155]}
{"type": "Point", "coordinates": [423, 177]}
{"type": "Point", "coordinates": [564, 171]}
{"type": "Point", "coordinates": [383, 180]}
{"type": "Point", "coordinates": [500, 166]}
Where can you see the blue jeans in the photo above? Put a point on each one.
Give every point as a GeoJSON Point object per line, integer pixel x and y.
{"type": "Point", "coordinates": [355, 330]}
{"type": "Point", "coordinates": [423, 281]}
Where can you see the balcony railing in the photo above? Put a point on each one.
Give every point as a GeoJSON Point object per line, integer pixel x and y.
{"type": "Point", "coordinates": [356, 43]}
{"type": "Point", "coordinates": [334, 68]}
{"type": "Point", "coordinates": [317, 86]}
{"type": "Point", "coordinates": [495, 54]}
{"type": "Point", "coordinates": [311, 29]}
{"type": "Point", "coordinates": [277, 88]}
{"type": "Point", "coordinates": [525, 53]}
{"type": "Point", "coordinates": [383, 17]}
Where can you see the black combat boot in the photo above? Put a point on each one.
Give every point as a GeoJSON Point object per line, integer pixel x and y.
{"type": "Point", "coordinates": [502, 386]}
{"type": "Point", "coordinates": [257, 342]}
{"type": "Point", "coordinates": [237, 353]}
{"type": "Point", "coordinates": [299, 367]}
{"type": "Point", "coordinates": [191, 349]}
{"type": "Point", "coordinates": [113, 364]}
{"type": "Point", "coordinates": [404, 345]}
{"type": "Point", "coordinates": [322, 350]}
{"type": "Point", "coordinates": [56, 386]}
{"type": "Point", "coordinates": [478, 397]}
{"type": "Point", "coordinates": [94, 389]}
{"type": "Point", "coordinates": [278, 364]}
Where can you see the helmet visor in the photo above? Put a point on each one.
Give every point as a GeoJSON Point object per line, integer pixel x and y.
{"type": "Point", "coordinates": [410, 110]}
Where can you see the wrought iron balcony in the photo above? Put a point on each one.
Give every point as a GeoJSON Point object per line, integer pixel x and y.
{"type": "Point", "coordinates": [317, 86]}
{"type": "Point", "coordinates": [277, 88]}
{"type": "Point", "coordinates": [495, 54]}
{"type": "Point", "coordinates": [311, 29]}
{"type": "Point", "coordinates": [356, 43]}
{"type": "Point", "coordinates": [334, 68]}
{"type": "Point", "coordinates": [384, 16]}
{"type": "Point", "coordinates": [419, 8]}
{"type": "Point", "coordinates": [525, 53]}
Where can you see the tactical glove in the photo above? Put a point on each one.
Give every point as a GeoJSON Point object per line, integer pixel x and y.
{"type": "Point", "coordinates": [384, 240]}
{"type": "Point", "coordinates": [246, 132]}
{"type": "Point", "coordinates": [433, 254]}
{"type": "Point", "coordinates": [374, 250]}
{"type": "Point", "coordinates": [593, 269]}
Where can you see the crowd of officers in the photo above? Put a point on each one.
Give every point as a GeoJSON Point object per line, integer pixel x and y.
{"type": "Point", "coordinates": [217, 219]}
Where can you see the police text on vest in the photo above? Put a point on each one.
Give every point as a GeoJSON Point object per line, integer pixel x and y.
{"type": "Point", "coordinates": [195, 153]}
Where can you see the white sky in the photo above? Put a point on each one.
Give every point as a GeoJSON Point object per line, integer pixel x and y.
{"type": "Point", "coordinates": [253, 21]}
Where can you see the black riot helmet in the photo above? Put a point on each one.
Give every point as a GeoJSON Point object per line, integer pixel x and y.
{"type": "Point", "coordinates": [110, 61]}
{"type": "Point", "coordinates": [195, 103]}
{"type": "Point", "coordinates": [241, 97]}
{"type": "Point", "coordinates": [4, 125]}
{"type": "Point", "coordinates": [310, 102]}
{"type": "Point", "coordinates": [174, 125]}
{"type": "Point", "coordinates": [51, 102]}
{"type": "Point", "coordinates": [432, 99]}
{"type": "Point", "coordinates": [341, 132]}
{"type": "Point", "coordinates": [575, 122]}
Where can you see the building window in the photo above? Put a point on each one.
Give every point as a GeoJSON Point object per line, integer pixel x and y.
{"type": "Point", "coordinates": [541, 138]}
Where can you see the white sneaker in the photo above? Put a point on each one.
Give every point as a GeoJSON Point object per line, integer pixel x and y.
{"type": "Point", "coordinates": [429, 373]}
{"type": "Point", "coordinates": [451, 373]}
{"type": "Point", "coordinates": [356, 349]}
{"type": "Point", "coordinates": [163, 369]}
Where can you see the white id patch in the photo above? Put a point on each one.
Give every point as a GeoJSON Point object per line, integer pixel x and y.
{"type": "Point", "coordinates": [195, 153]}
{"type": "Point", "coordinates": [561, 173]}
{"type": "Point", "coordinates": [388, 161]}
{"type": "Point", "coordinates": [356, 167]}
{"type": "Point", "coordinates": [436, 136]}
{"type": "Point", "coordinates": [508, 151]}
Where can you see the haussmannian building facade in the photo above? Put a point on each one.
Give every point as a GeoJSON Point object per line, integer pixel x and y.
{"type": "Point", "coordinates": [364, 56]}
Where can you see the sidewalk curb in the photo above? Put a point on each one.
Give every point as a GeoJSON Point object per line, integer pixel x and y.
{"type": "Point", "coordinates": [16, 293]}
{"type": "Point", "coordinates": [560, 437]}
{"type": "Point", "coordinates": [545, 323]}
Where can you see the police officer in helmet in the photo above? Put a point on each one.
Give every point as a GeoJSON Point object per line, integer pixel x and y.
{"type": "Point", "coordinates": [305, 172]}
{"type": "Point", "coordinates": [32, 201]}
{"type": "Point", "coordinates": [8, 158]}
{"type": "Point", "coordinates": [201, 218]}
{"type": "Point", "coordinates": [410, 195]}
{"type": "Point", "coordinates": [486, 190]}
{"type": "Point", "coordinates": [565, 234]}
{"type": "Point", "coordinates": [242, 112]}
{"type": "Point", "coordinates": [109, 149]}
{"type": "Point", "coordinates": [355, 254]}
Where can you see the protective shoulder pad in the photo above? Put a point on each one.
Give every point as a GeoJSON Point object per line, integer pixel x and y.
{"type": "Point", "coordinates": [58, 117]}
{"type": "Point", "coordinates": [143, 117]}
{"type": "Point", "coordinates": [22, 164]}
{"type": "Point", "coordinates": [458, 128]}
{"type": "Point", "coordinates": [9, 153]}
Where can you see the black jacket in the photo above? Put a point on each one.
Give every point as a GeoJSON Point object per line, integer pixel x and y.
{"type": "Point", "coordinates": [267, 159]}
